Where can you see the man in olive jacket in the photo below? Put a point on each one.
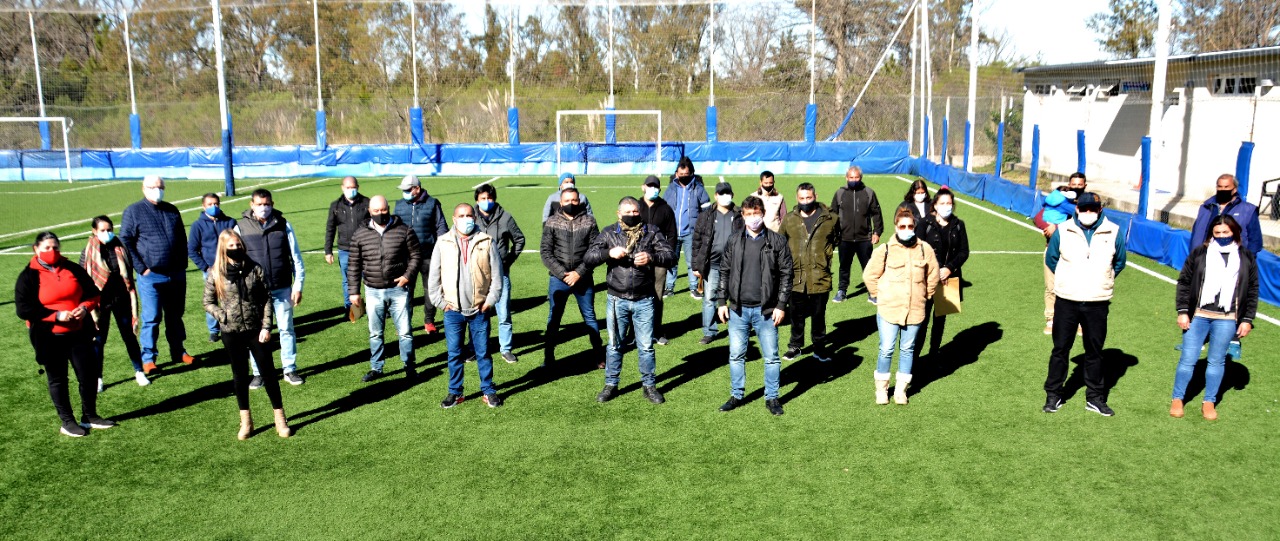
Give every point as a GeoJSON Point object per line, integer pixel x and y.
{"type": "Point", "coordinates": [812, 232]}
{"type": "Point", "coordinates": [386, 256]}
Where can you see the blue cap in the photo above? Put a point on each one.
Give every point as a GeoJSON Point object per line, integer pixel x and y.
{"type": "Point", "coordinates": [1088, 199]}
{"type": "Point", "coordinates": [565, 175]}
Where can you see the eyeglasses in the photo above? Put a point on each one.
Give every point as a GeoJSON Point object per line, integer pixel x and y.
{"type": "Point", "coordinates": [902, 227]}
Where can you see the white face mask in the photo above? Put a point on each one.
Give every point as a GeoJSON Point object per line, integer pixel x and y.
{"type": "Point", "coordinates": [920, 197]}
{"type": "Point", "coordinates": [905, 235]}
{"type": "Point", "coordinates": [651, 193]}
{"type": "Point", "coordinates": [106, 236]}
{"type": "Point", "coordinates": [465, 225]}
{"type": "Point", "coordinates": [1088, 218]}
{"type": "Point", "coordinates": [1071, 195]}
{"type": "Point", "coordinates": [154, 195]}
{"type": "Point", "coordinates": [262, 212]}
{"type": "Point", "coordinates": [754, 223]}
{"type": "Point", "coordinates": [724, 199]}
{"type": "Point", "coordinates": [943, 210]}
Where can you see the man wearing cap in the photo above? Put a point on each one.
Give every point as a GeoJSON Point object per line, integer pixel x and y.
{"type": "Point", "coordinates": [552, 207]}
{"type": "Point", "coordinates": [153, 233]}
{"type": "Point", "coordinates": [1085, 254]}
{"type": "Point", "coordinates": [657, 214]}
{"type": "Point", "coordinates": [688, 197]}
{"type": "Point", "coordinates": [423, 215]}
{"type": "Point", "coordinates": [710, 236]}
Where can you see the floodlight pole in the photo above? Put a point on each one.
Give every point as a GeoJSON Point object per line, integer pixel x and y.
{"type": "Point", "coordinates": [1158, 81]}
{"type": "Point", "coordinates": [971, 119]}
{"type": "Point", "coordinates": [35, 55]}
{"type": "Point", "coordinates": [413, 48]}
{"type": "Point", "coordinates": [813, 48]}
{"type": "Point", "coordinates": [223, 115]}
{"type": "Point", "coordinates": [135, 124]}
{"type": "Point", "coordinates": [609, 7]}
{"type": "Point", "coordinates": [911, 104]}
{"type": "Point", "coordinates": [711, 62]}
{"type": "Point", "coordinates": [928, 74]}
{"type": "Point", "coordinates": [322, 137]}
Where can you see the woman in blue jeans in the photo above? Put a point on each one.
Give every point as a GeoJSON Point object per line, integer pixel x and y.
{"type": "Point", "coordinates": [901, 274]}
{"type": "Point", "coordinates": [1217, 298]}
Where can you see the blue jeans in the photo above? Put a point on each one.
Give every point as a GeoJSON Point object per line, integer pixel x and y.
{"type": "Point", "coordinates": [709, 325]}
{"type": "Point", "coordinates": [504, 315]}
{"type": "Point", "coordinates": [741, 322]}
{"type": "Point", "coordinates": [164, 297]}
{"type": "Point", "coordinates": [343, 257]}
{"type": "Point", "coordinates": [684, 243]}
{"type": "Point", "coordinates": [905, 335]}
{"type": "Point", "coordinates": [210, 322]}
{"type": "Point", "coordinates": [557, 293]}
{"type": "Point", "coordinates": [283, 307]}
{"type": "Point", "coordinates": [379, 302]}
{"type": "Point", "coordinates": [624, 316]}
{"type": "Point", "coordinates": [455, 324]}
{"type": "Point", "coordinates": [1220, 333]}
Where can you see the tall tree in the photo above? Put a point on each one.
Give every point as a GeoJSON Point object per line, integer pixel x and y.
{"type": "Point", "coordinates": [1127, 29]}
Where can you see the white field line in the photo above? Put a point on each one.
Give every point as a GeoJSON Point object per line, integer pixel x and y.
{"type": "Point", "coordinates": [1139, 268]}
{"type": "Point", "coordinates": [108, 183]}
{"type": "Point", "coordinates": [188, 200]}
{"type": "Point", "coordinates": [490, 181]}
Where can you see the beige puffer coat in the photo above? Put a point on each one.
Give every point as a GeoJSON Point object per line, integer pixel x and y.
{"type": "Point", "coordinates": [901, 279]}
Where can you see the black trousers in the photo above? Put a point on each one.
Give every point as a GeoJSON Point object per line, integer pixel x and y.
{"type": "Point", "coordinates": [939, 327]}
{"type": "Point", "coordinates": [847, 250]}
{"type": "Point", "coordinates": [1091, 317]}
{"type": "Point", "coordinates": [55, 352]}
{"type": "Point", "coordinates": [238, 345]}
{"type": "Point", "coordinates": [428, 309]}
{"type": "Point", "coordinates": [804, 306]}
{"type": "Point", "coordinates": [122, 312]}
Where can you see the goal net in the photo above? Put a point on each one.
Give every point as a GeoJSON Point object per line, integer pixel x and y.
{"type": "Point", "coordinates": [590, 141]}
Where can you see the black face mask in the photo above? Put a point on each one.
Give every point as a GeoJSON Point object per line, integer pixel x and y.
{"type": "Point", "coordinates": [631, 220]}
{"type": "Point", "coordinates": [236, 255]}
{"type": "Point", "coordinates": [381, 219]}
{"type": "Point", "coordinates": [855, 184]}
{"type": "Point", "coordinates": [571, 209]}
{"type": "Point", "coordinates": [684, 180]}
{"type": "Point", "coordinates": [768, 188]}
{"type": "Point", "coordinates": [1224, 196]}
{"type": "Point", "coordinates": [808, 207]}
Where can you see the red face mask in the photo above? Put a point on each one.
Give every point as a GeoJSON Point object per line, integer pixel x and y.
{"type": "Point", "coordinates": [49, 258]}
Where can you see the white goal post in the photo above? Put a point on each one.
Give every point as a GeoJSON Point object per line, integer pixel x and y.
{"type": "Point", "coordinates": [604, 112]}
{"type": "Point", "coordinates": [66, 151]}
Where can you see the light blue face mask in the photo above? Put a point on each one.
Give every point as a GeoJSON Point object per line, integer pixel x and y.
{"type": "Point", "coordinates": [488, 205]}
{"type": "Point", "coordinates": [351, 193]}
{"type": "Point", "coordinates": [407, 195]}
{"type": "Point", "coordinates": [465, 225]}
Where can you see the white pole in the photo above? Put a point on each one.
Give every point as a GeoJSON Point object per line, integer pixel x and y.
{"type": "Point", "coordinates": [946, 144]}
{"type": "Point", "coordinates": [1158, 83]}
{"type": "Point", "coordinates": [31, 21]}
{"type": "Point", "coordinates": [813, 47]}
{"type": "Point", "coordinates": [923, 60]}
{"type": "Point", "coordinates": [711, 62]}
{"type": "Point", "coordinates": [315, 28]}
{"type": "Point", "coordinates": [413, 47]}
{"type": "Point", "coordinates": [128, 57]}
{"type": "Point", "coordinates": [973, 86]}
{"type": "Point", "coordinates": [222, 75]}
{"type": "Point", "coordinates": [911, 107]}
{"type": "Point", "coordinates": [66, 151]}
{"type": "Point", "coordinates": [658, 160]}
{"type": "Point", "coordinates": [610, 7]}
{"type": "Point", "coordinates": [928, 73]}
{"type": "Point", "coordinates": [511, 45]}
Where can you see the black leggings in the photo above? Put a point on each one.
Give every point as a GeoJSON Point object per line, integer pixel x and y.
{"type": "Point", "coordinates": [54, 351]}
{"type": "Point", "coordinates": [238, 345]}
{"type": "Point", "coordinates": [939, 327]}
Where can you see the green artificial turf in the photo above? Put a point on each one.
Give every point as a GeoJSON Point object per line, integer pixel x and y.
{"type": "Point", "coordinates": [972, 456]}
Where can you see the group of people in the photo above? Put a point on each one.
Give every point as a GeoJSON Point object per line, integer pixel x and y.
{"type": "Point", "coordinates": [753, 264]}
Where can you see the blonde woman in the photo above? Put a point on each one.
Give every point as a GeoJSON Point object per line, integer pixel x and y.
{"type": "Point", "coordinates": [235, 294]}
{"type": "Point", "coordinates": [901, 275]}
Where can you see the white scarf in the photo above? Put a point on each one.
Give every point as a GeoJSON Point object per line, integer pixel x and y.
{"type": "Point", "coordinates": [1220, 277]}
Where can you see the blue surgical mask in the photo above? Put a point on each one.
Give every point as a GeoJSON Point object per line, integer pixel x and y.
{"type": "Point", "coordinates": [488, 205]}
{"type": "Point", "coordinates": [212, 211]}
{"type": "Point", "coordinates": [1223, 241]}
{"type": "Point", "coordinates": [106, 236]}
{"type": "Point", "coordinates": [350, 193]}
{"type": "Point", "coordinates": [905, 235]}
{"type": "Point", "coordinates": [465, 225]}
{"type": "Point", "coordinates": [407, 195]}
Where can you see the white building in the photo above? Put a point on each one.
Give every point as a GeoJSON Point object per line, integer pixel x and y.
{"type": "Point", "coordinates": [1213, 103]}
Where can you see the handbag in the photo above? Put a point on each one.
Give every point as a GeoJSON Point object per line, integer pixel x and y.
{"type": "Point", "coordinates": [946, 299]}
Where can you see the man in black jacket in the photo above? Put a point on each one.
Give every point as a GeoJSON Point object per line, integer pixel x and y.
{"type": "Point", "coordinates": [566, 235]}
{"type": "Point", "coordinates": [348, 213]}
{"type": "Point", "coordinates": [270, 242]}
{"type": "Point", "coordinates": [861, 224]}
{"type": "Point", "coordinates": [386, 256]}
{"type": "Point", "coordinates": [656, 213]}
{"type": "Point", "coordinates": [494, 221]}
{"type": "Point", "coordinates": [755, 285]}
{"type": "Point", "coordinates": [631, 250]}
{"type": "Point", "coordinates": [711, 233]}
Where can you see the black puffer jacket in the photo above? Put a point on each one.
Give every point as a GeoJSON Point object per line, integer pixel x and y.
{"type": "Point", "coordinates": [950, 242]}
{"type": "Point", "coordinates": [380, 259]}
{"type": "Point", "coordinates": [345, 218]}
{"type": "Point", "coordinates": [776, 266]}
{"type": "Point", "coordinates": [565, 242]}
{"type": "Point", "coordinates": [704, 233]}
{"type": "Point", "coordinates": [247, 306]}
{"type": "Point", "coordinates": [1191, 281]}
{"type": "Point", "coordinates": [624, 278]}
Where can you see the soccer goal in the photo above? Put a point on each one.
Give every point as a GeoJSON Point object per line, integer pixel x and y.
{"type": "Point", "coordinates": [43, 157]}
{"type": "Point", "coordinates": [620, 149]}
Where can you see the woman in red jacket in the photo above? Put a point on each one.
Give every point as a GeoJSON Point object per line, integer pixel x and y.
{"type": "Point", "coordinates": [55, 297]}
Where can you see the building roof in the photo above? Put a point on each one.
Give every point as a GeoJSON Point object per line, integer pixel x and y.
{"type": "Point", "coordinates": [1149, 61]}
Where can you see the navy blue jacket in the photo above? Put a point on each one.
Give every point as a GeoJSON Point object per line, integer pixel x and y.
{"type": "Point", "coordinates": [155, 237]}
{"type": "Point", "coordinates": [202, 245]}
{"type": "Point", "coordinates": [686, 202]}
{"type": "Point", "coordinates": [1245, 214]}
{"type": "Point", "coordinates": [424, 216]}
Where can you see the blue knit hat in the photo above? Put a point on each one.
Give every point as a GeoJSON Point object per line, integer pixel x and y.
{"type": "Point", "coordinates": [565, 175]}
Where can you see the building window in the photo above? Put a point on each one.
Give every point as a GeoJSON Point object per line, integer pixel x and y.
{"type": "Point", "coordinates": [1234, 85]}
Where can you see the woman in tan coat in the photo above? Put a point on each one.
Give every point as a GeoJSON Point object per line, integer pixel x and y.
{"type": "Point", "coordinates": [901, 275]}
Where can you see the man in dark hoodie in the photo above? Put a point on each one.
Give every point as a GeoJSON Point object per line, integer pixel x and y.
{"type": "Point", "coordinates": [687, 196]}
{"type": "Point", "coordinates": [347, 214]}
{"type": "Point", "coordinates": [858, 209]}
{"type": "Point", "coordinates": [656, 213]}
{"type": "Point", "coordinates": [494, 221]}
{"type": "Point", "coordinates": [710, 235]}
{"type": "Point", "coordinates": [202, 246]}
{"type": "Point", "coordinates": [271, 244]}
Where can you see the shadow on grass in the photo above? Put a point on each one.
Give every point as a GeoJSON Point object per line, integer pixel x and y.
{"type": "Point", "coordinates": [1115, 364]}
{"type": "Point", "coordinates": [577, 364]}
{"type": "Point", "coordinates": [214, 391]}
{"type": "Point", "coordinates": [320, 320]}
{"type": "Point", "coordinates": [390, 385]}
{"type": "Point", "coordinates": [1234, 376]}
{"type": "Point", "coordinates": [808, 373]}
{"type": "Point", "coordinates": [964, 349]}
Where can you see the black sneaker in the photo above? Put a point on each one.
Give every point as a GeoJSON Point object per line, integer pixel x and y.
{"type": "Point", "coordinates": [74, 430]}
{"type": "Point", "coordinates": [293, 378]}
{"type": "Point", "coordinates": [371, 375]}
{"type": "Point", "coordinates": [773, 406]}
{"type": "Point", "coordinates": [661, 341]}
{"type": "Point", "coordinates": [215, 337]}
{"type": "Point", "coordinates": [839, 297]}
{"type": "Point", "coordinates": [791, 354]}
{"type": "Point", "coordinates": [510, 357]}
{"type": "Point", "coordinates": [651, 392]}
{"type": "Point", "coordinates": [451, 400]}
{"type": "Point", "coordinates": [1051, 404]}
{"type": "Point", "coordinates": [470, 358]}
{"type": "Point", "coordinates": [668, 294]}
{"type": "Point", "coordinates": [256, 382]}
{"type": "Point", "coordinates": [732, 404]}
{"type": "Point", "coordinates": [492, 400]}
{"type": "Point", "coordinates": [97, 422]}
{"type": "Point", "coordinates": [607, 393]}
{"type": "Point", "coordinates": [1099, 407]}
{"type": "Point", "coordinates": [707, 339]}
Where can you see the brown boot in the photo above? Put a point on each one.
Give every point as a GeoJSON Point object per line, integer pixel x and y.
{"type": "Point", "coordinates": [1209, 411]}
{"type": "Point", "coordinates": [282, 426]}
{"type": "Point", "coordinates": [246, 425]}
{"type": "Point", "coordinates": [1175, 409]}
{"type": "Point", "coordinates": [882, 388]}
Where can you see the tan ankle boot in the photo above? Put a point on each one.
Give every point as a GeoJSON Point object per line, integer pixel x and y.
{"type": "Point", "coordinates": [1210, 412]}
{"type": "Point", "coordinates": [282, 426]}
{"type": "Point", "coordinates": [246, 425]}
{"type": "Point", "coordinates": [900, 388]}
{"type": "Point", "coordinates": [882, 388]}
{"type": "Point", "coordinates": [1176, 409]}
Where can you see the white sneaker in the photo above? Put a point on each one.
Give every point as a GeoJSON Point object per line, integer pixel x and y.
{"type": "Point", "coordinates": [100, 387]}
{"type": "Point", "coordinates": [141, 378]}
